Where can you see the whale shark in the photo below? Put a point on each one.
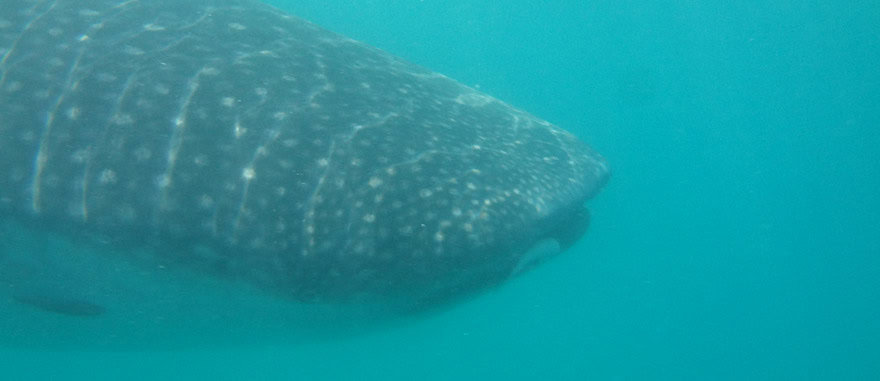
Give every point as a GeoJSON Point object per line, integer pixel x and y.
{"type": "Point", "coordinates": [231, 139]}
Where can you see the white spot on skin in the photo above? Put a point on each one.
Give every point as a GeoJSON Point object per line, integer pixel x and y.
{"type": "Point", "coordinates": [248, 173]}
{"type": "Point", "coordinates": [323, 162]}
{"type": "Point", "coordinates": [163, 181]}
{"type": "Point", "coordinates": [439, 237]}
{"type": "Point", "coordinates": [238, 129]}
{"type": "Point", "coordinates": [142, 154]}
{"type": "Point", "coordinates": [474, 99]}
{"type": "Point", "coordinates": [28, 136]}
{"type": "Point", "coordinates": [228, 101]}
{"type": "Point", "coordinates": [425, 193]}
{"type": "Point", "coordinates": [369, 218]}
{"type": "Point", "coordinates": [456, 212]}
{"type": "Point", "coordinates": [79, 156]}
{"type": "Point", "coordinates": [73, 113]}
{"type": "Point", "coordinates": [162, 89]}
{"type": "Point", "coordinates": [107, 177]}
{"type": "Point", "coordinates": [375, 182]}
{"type": "Point", "coordinates": [153, 27]}
{"type": "Point", "coordinates": [132, 51]}
{"type": "Point", "coordinates": [237, 26]}
{"type": "Point", "coordinates": [201, 160]}
{"type": "Point", "coordinates": [122, 119]}
{"type": "Point", "coordinates": [206, 201]}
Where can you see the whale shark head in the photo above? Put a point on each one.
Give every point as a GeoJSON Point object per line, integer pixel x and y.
{"type": "Point", "coordinates": [228, 138]}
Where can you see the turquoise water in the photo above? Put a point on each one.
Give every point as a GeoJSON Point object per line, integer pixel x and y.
{"type": "Point", "coordinates": [739, 237]}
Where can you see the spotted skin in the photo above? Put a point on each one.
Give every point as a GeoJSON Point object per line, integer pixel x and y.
{"type": "Point", "coordinates": [299, 159]}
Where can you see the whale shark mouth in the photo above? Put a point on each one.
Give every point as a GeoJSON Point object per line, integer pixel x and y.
{"type": "Point", "coordinates": [564, 235]}
{"type": "Point", "coordinates": [540, 252]}
{"type": "Point", "coordinates": [554, 236]}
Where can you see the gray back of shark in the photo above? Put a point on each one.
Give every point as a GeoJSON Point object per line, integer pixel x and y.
{"type": "Point", "coordinates": [255, 145]}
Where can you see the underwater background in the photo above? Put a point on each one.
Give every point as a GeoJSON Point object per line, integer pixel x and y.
{"type": "Point", "coordinates": [739, 237]}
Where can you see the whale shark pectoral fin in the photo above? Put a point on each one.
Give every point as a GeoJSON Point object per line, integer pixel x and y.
{"type": "Point", "coordinates": [539, 252]}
